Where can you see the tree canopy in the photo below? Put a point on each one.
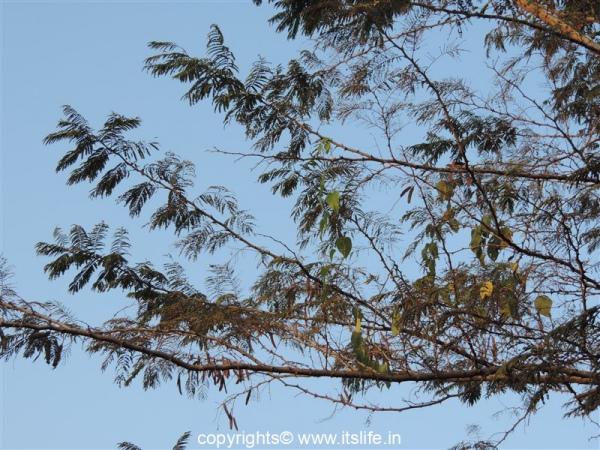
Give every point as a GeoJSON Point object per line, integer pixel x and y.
{"type": "Point", "coordinates": [490, 193]}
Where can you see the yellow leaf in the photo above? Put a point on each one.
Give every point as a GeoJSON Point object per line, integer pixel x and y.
{"type": "Point", "coordinates": [486, 290]}
{"type": "Point", "coordinates": [543, 304]}
{"type": "Point", "coordinates": [358, 324]}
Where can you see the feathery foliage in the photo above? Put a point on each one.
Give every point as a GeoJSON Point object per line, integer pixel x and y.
{"type": "Point", "coordinates": [461, 255]}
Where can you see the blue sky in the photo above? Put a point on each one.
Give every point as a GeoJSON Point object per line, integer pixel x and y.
{"type": "Point", "coordinates": [89, 55]}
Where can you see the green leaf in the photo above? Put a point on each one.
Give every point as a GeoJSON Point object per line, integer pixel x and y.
{"type": "Point", "coordinates": [324, 222]}
{"type": "Point", "coordinates": [487, 220]}
{"type": "Point", "coordinates": [478, 242]}
{"type": "Point", "coordinates": [480, 256]}
{"type": "Point", "coordinates": [429, 255]}
{"type": "Point", "coordinates": [430, 266]}
{"type": "Point", "coordinates": [509, 307]}
{"type": "Point", "coordinates": [384, 368]}
{"type": "Point", "coordinates": [513, 307]}
{"type": "Point", "coordinates": [454, 225]}
{"type": "Point", "coordinates": [493, 248]}
{"type": "Point", "coordinates": [475, 238]}
{"type": "Point", "coordinates": [344, 245]}
{"type": "Point", "coordinates": [333, 200]}
{"type": "Point", "coordinates": [505, 311]}
{"type": "Point", "coordinates": [431, 230]}
{"type": "Point", "coordinates": [325, 271]}
{"type": "Point", "coordinates": [445, 190]}
{"type": "Point", "coordinates": [396, 324]}
{"type": "Point", "coordinates": [359, 347]}
{"type": "Point", "coordinates": [543, 305]}
{"type": "Point", "coordinates": [432, 249]}
{"type": "Point", "coordinates": [511, 283]}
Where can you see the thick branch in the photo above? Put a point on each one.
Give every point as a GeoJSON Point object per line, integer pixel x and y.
{"type": "Point", "coordinates": [488, 374]}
